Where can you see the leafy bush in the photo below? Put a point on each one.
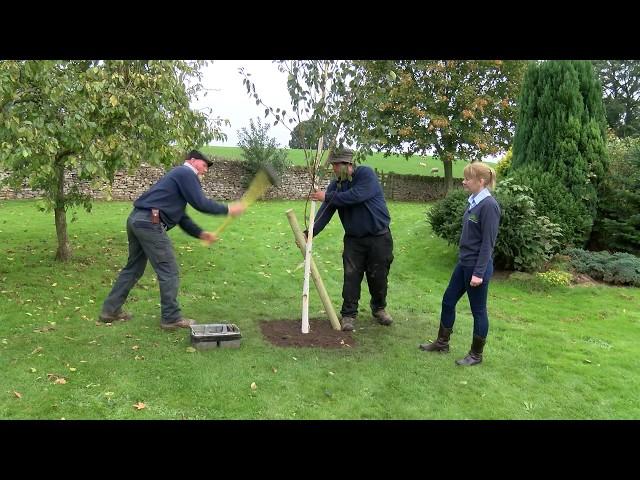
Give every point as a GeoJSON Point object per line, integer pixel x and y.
{"type": "Point", "coordinates": [504, 165]}
{"type": "Point", "coordinates": [552, 199]}
{"type": "Point", "coordinates": [619, 268]}
{"type": "Point", "coordinates": [525, 240]}
{"type": "Point", "coordinates": [445, 216]}
{"type": "Point", "coordinates": [259, 149]}
{"type": "Point", "coordinates": [617, 225]}
{"type": "Point", "coordinates": [554, 278]}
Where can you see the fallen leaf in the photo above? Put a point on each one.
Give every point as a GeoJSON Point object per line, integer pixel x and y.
{"type": "Point", "coordinates": [331, 373]}
{"type": "Point", "coordinates": [190, 350]}
{"type": "Point", "coordinates": [54, 284]}
{"type": "Point", "coordinates": [139, 405]}
{"type": "Point", "coordinates": [60, 381]}
{"type": "Point", "coordinates": [17, 394]}
{"type": "Point", "coordinates": [463, 382]}
{"type": "Point", "coordinates": [275, 370]}
{"type": "Point", "coordinates": [294, 358]}
{"type": "Point", "coordinates": [32, 370]}
{"type": "Point", "coordinates": [72, 369]}
{"type": "Point", "coordinates": [135, 347]}
{"type": "Point", "coordinates": [254, 386]}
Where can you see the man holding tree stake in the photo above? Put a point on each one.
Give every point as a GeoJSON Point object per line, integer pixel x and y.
{"type": "Point", "coordinates": [357, 195]}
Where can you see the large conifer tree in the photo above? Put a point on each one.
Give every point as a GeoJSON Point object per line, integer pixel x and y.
{"type": "Point", "coordinates": [561, 126]}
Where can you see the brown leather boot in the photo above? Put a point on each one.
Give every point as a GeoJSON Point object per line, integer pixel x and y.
{"type": "Point", "coordinates": [180, 323]}
{"type": "Point", "coordinates": [382, 317]}
{"type": "Point", "coordinates": [474, 356]}
{"type": "Point", "coordinates": [348, 324]}
{"type": "Point", "coordinates": [441, 344]}
{"type": "Point", "coordinates": [120, 315]}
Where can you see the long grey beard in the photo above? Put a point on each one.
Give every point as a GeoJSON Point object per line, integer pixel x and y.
{"type": "Point", "coordinates": [343, 174]}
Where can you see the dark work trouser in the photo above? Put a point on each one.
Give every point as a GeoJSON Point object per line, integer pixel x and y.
{"type": "Point", "coordinates": [147, 241]}
{"type": "Point", "coordinates": [458, 285]}
{"type": "Point", "coordinates": [370, 255]}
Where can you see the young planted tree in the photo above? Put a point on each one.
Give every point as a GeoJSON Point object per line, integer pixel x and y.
{"type": "Point", "coordinates": [459, 109]}
{"type": "Point", "coordinates": [319, 90]}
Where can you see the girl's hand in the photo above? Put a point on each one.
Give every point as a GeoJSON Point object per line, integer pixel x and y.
{"type": "Point", "coordinates": [475, 281]}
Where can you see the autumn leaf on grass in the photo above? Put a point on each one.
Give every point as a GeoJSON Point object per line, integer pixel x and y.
{"type": "Point", "coordinates": [57, 379]}
{"type": "Point", "coordinates": [191, 349]}
{"type": "Point", "coordinates": [17, 394]}
{"type": "Point", "coordinates": [254, 387]}
{"type": "Point", "coordinates": [139, 405]}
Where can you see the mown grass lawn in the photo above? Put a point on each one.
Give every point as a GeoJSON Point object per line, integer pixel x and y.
{"type": "Point", "coordinates": [562, 353]}
{"type": "Point", "coordinates": [414, 165]}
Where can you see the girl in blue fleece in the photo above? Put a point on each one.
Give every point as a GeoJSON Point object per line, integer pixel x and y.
{"type": "Point", "coordinates": [475, 264]}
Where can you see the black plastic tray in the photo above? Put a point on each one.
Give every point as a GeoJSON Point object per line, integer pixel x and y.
{"type": "Point", "coordinates": [215, 332]}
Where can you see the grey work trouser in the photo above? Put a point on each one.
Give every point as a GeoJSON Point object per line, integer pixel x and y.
{"type": "Point", "coordinates": [147, 241]}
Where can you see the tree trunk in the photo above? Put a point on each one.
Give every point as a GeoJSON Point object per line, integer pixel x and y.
{"type": "Point", "coordinates": [63, 253]}
{"type": "Point", "coordinates": [448, 173]}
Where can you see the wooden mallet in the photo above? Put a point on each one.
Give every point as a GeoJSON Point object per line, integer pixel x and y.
{"type": "Point", "coordinates": [265, 178]}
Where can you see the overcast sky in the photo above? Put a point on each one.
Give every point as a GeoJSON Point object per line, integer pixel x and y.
{"type": "Point", "coordinates": [227, 96]}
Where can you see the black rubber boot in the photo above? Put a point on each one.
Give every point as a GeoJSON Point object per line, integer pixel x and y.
{"type": "Point", "coordinates": [474, 356]}
{"type": "Point", "coordinates": [441, 344]}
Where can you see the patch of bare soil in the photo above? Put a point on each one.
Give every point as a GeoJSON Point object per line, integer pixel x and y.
{"type": "Point", "coordinates": [287, 333]}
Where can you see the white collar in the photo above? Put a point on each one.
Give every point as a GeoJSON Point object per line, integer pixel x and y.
{"type": "Point", "coordinates": [193, 169]}
{"type": "Point", "coordinates": [481, 195]}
